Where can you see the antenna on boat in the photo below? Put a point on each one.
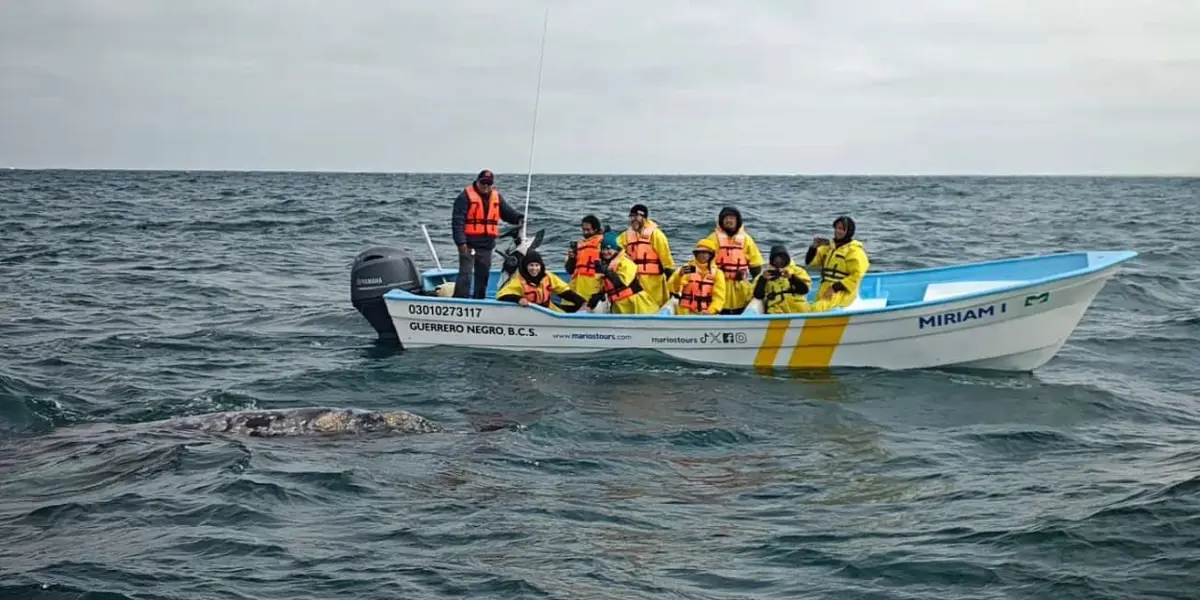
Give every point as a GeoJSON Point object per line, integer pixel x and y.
{"type": "Point", "coordinates": [429, 240]}
{"type": "Point", "coordinates": [533, 135]}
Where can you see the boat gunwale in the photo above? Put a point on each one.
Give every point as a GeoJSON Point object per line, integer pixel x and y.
{"type": "Point", "coordinates": [1107, 260]}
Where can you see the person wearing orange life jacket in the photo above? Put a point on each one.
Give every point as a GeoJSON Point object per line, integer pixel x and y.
{"type": "Point", "coordinates": [738, 258]}
{"type": "Point", "coordinates": [699, 288]}
{"type": "Point", "coordinates": [647, 246]}
{"type": "Point", "coordinates": [581, 261]}
{"type": "Point", "coordinates": [843, 263]}
{"type": "Point", "coordinates": [533, 284]}
{"type": "Point", "coordinates": [475, 225]}
{"type": "Point", "coordinates": [619, 283]}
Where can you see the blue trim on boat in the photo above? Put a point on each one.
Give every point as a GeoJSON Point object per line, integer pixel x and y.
{"type": "Point", "coordinates": [909, 286]}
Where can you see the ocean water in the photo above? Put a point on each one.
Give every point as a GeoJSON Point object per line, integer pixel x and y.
{"type": "Point", "coordinates": [129, 299]}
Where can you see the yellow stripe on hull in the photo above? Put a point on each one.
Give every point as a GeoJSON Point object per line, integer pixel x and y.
{"type": "Point", "coordinates": [818, 340]}
{"type": "Point", "coordinates": [769, 349]}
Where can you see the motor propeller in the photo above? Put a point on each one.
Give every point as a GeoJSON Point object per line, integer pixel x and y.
{"type": "Point", "coordinates": [512, 256]}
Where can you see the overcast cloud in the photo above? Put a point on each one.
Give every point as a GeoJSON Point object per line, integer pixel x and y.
{"type": "Point", "coordinates": [630, 86]}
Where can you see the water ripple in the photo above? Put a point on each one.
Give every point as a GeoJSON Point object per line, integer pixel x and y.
{"type": "Point", "coordinates": [135, 298]}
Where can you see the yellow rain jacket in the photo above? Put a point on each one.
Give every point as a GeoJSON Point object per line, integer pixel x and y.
{"type": "Point", "coordinates": [704, 290]}
{"type": "Point", "coordinates": [537, 290]}
{"type": "Point", "coordinates": [738, 258]}
{"type": "Point", "coordinates": [780, 295]}
{"type": "Point", "coordinates": [628, 298]}
{"type": "Point", "coordinates": [842, 270]}
{"type": "Point", "coordinates": [651, 253]}
{"type": "Point", "coordinates": [582, 269]}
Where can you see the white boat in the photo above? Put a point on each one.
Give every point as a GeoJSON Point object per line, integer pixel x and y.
{"type": "Point", "coordinates": [1011, 315]}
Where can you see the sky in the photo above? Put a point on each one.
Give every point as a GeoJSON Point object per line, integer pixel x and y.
{"type": "Point", "coordinates": [629, 86]}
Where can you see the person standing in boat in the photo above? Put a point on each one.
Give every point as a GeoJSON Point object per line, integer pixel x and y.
{"type": "Point", "coordinates": [533, 284]}
{"type": "Point", "coordinates": [699, 288]}
{"type": "Point", "coordinates": [843, 263]}
{"type": "Point", "coordinates": [475, 225]}
{"type": "Point", "coordinates": [737, 257]}
{"type": "Point", "coordinates": [783, 286]}
{"type": "Point", "coordinates": [619, 282]}
{"type": "Point", "coordinates": [581, 261]}
{"type": "Point", "coordinates": [647, 246]}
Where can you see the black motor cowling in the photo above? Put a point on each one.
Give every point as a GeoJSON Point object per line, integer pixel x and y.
{"type": "Point", "coordinates": [376, 271]}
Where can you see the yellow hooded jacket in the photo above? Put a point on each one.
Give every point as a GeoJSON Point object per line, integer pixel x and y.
{"type": "Point", "coordinates": [739, 289]}
{"type": "Point", "coordinates": [625, 271]}
{"type": "Point", "coordinates": [787, 293]}
{"type": "Point", "coordinates": [842, 269]}
{"type": "Point", "coordinates": [687, 282]}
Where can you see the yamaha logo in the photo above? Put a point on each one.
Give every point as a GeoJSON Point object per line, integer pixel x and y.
{"type": "Point", "coordinates": [370, 281]}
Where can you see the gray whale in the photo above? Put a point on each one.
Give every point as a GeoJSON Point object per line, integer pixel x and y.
{"type": "Point", "coordinates": [306, 421]}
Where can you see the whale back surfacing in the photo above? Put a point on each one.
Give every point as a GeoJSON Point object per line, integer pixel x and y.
{"type": "Point", "coordinates": [309, 421]}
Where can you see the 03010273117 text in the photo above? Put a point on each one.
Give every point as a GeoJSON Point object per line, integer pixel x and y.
{"type": "Point", "coordinates": [438, 310]}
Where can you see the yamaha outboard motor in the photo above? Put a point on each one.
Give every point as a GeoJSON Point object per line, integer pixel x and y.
{"type": "Point", "coordinates": [376, 271]}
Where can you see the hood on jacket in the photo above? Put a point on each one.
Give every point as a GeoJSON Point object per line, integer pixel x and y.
{"type": "Point", "coordinates": [531, 257]}
{"type": "Point", "coordinates": [849, 229]}
{"type": "Point", "coordinates": [729, 210]}
{"type": "Point", "coordinates": [777, 251]}
{"type": "Point", "coordinates": [705, 245]}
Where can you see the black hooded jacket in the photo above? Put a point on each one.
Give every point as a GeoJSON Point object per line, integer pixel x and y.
{"type": "Point", "coordinates": [799, 286]}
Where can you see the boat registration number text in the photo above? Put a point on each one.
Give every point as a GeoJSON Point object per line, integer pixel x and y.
{"type": "Point", "coordinates": [438, 310]}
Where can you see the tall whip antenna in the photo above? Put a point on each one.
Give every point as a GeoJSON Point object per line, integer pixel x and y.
{"type": "Point", "coordinates": [533, 136]}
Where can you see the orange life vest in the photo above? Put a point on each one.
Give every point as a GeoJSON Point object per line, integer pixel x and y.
{"type": "Point", "coordinates": [537, 294]}
{"type": "Point", "coordinates": [731, 254]}
{"type": "Point", "coordinates": [626, 292]}
{"type": "Point", "coordinates": [481, 222]}
{"type": "Point", "coordinates": [586, 255]}
{"type": "Point", "coordinates": [639, 249]}
{"type": "Point", "coordinates": [698, 291]}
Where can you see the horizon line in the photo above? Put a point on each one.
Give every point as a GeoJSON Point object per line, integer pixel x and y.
{"type": "Point", "coordinates": [604, 174]}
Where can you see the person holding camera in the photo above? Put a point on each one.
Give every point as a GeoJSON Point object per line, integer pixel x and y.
{"type": "Point", "coordinates": [699, 287]}
{"type": "Point", "coordinates": [581, 261]}
{"type": "Point", "coordinates": [843, 263]}
{"type": "Point", "coordinates": [618, 279]}
{"type": "Point", "coordinates": [783, 286]}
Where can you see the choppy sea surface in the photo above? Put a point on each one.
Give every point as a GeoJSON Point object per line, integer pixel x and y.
{"type": "Point", "coordinates": [128, 299]}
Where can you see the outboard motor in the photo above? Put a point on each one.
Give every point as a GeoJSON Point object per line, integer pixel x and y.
{"type": "Point", "coordinates": [376, 271]}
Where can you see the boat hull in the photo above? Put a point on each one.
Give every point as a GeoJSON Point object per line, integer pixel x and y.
{"type": "Point", "coordinates": [1015, 329]}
